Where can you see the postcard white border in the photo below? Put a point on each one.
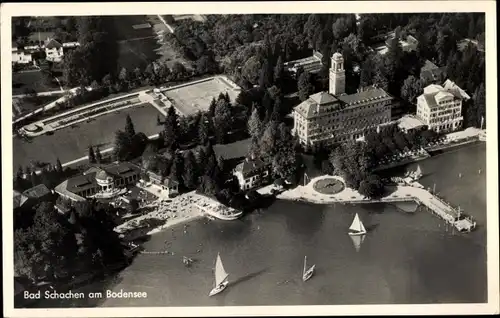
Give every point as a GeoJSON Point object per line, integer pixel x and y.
{"type": "Point", "coordinates": [129, 8]}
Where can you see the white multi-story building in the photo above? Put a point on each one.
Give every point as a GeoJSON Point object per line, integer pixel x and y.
{"type": "Point", "coordinates": [252, 172]}
{"type": "Point", "coordinates": [333, 117]}
{"type": "Point", "coordinates": [440, 107]}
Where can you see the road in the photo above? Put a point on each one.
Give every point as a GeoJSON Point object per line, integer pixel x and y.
{"type": "Point", "coordinates": [171, 29]}
{"type": "Point", "coordinates": [48, 93]}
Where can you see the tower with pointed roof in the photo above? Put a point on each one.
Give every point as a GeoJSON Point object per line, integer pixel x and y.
{"type": "Point", "coordinates": [337, 75]}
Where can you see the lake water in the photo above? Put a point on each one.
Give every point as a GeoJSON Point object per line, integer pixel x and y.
{"type": "Point", "coordinates": [406, 258]}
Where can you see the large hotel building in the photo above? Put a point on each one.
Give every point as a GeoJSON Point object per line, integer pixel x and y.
{"type": "Point", "coordinates": [440, 107]}
{"type": "Point", "coordinates": [333, 117]}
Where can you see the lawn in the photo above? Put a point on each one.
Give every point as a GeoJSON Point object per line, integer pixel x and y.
{"type": "Point", "coordinates": [137, 41]}
{"type": "Point", "coordinates": [71, 143]}
{"type": "Point", "coordinates": [233, 150]}
{"type": "Point", "coordinates": [124, 26]}
{"type": "Point", "coordinates": [328, 186]}
{"type": "Point", "coordinates": [137, 53]}
{"type": "Point", "coordinates": [21, 106]}
{"type": "Point", "coordinates": [23, 81]}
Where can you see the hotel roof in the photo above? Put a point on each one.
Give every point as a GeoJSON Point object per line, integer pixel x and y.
{"type": "Point", "coordinates": [323, 98]}
{"type": "Point", "coordinates": [37, 192]}
{"type": "Point", "coordinates": [309, 107]}
{"type": "Point", "coordinates": [434, 92]}
{"type": "Point", "coordinates": [366, 96]}
{"type": "Point", "coordinates": [19, 199]}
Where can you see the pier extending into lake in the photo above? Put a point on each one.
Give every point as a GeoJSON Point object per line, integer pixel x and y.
{"type": "Point", "coordinates": [413, 192]}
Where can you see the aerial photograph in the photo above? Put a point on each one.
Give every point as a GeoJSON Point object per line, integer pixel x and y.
{"type": "Point", "coordinates": [178, 160]}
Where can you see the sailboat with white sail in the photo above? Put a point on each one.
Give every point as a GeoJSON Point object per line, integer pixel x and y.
{"type": "Point", "coordinates": [221, 275]}
{"type": "Point", "coordinates": [357, 227]}
{"type": "Point", "coordinates": [307, 273]}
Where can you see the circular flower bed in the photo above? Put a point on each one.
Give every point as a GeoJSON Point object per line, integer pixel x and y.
{"type": "Point", "coordinates": [328, 186]}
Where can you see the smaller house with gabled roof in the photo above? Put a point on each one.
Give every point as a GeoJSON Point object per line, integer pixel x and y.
{"type": "Point", "coordinates": [53, 50]}
{"type": "Point", "coordinates": [252, 172]}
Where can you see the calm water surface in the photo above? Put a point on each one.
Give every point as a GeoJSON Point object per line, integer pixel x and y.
{"type": "Point", "coordinates": [405, 258]}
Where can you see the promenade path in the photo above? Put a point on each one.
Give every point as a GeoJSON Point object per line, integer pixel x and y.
{"type": "Point", "coordinates": [415, 192]}
{"type": "Point", "coordinates": [47, 93]}
{"type": "Point", "coordinates": [50, 105]}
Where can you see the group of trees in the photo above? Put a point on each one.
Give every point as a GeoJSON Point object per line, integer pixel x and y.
{"type": "Point", "coordinates": [221, 119]}
{"type": "Point", "coordinates": [54, 246]}
{"type": "Point", "coordinates": [273, 143]}
{"type": "Point", "coordinates": [128, 144]}
{"type": "Point", "coordinates": [49, 175]}
{"type": "Point", "coordinates": [94, 156]}
{"type": "Point", "coordinates": [97, 54]}
{"type": "Point", "coordinates": [356, 161]}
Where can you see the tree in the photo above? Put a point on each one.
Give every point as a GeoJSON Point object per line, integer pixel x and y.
{"type": "Point", "coordinates": [305, 86]}
{"type": "Point", "coordinates": [371, 187]}
{"type": "Point", "coordinates": [190, 176]}
{"type": "Point", "coordinates": [171, 130]}
{"type": "Point", "coordinates": [98, 156]}
{"type": "Point", "coordinates": [211, 108]}
{"type": "Point", "coordinates": [411, 88]}
{"type": "Point", "coordinates": [149, 157]}
{"type": "Point", "coordinates": [59, 167]}
{"type": "Point", "coordinates": [254, 124]}
{"type": "Point", "coordinates": [206, 64]}
{"type": "Point", "coordinates": [251, 70]}
{"type": "Point", "coordinates": [129, 127]}
{"type": "Point", "coordinates": [33, 178]}
{"type": "Point", "coordinates": [203, 130]}
{"type": "Point", "coordinates": [208, 186]}
{"type": "Point", "coordinates": [122, 146]}
{"type": "Point", "coordinates": [124, 76]}
{"type": "Point", "coordinates": [91, 155]}
{"type": "Point", "coordinates": [268, 141]}
{"type": "Point", "coordinates": [222, 120]}
{"type": "Point", "coordinates": [266, 75]}
{"type": "Point", "coordinates": [178, 70]}
{"type": "Point", "coordinates": [285, 162]}
{"type": "Point", "coordinates": [177, 169]}
{"type": "Point", "coordinates": [279, 71]}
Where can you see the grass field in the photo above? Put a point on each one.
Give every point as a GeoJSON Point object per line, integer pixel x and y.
{"type": "Point", "coordinates": [21, 106]}
{"type": "Point", "coordinates": [72, 143]}
{"type": "Point", "coordinates": [137, 46]}
{"type": "Point", "coordinates": [31, 80]}
{"type": "Point", "coordinates": [196, 97]}
{"type": "Point", "coordinates": [137, 53]}
{"type": "Point", "coordinates": [233, 150]}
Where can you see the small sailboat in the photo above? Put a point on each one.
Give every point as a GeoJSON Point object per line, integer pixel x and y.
{"type": "Point", "coordinates": [418, 172]}
{"type": "Point", "coordinates": [357, 227]}
{"type": "Point", "coordinates": [307, 273]}
{"type": "Point", "coordinates": [221, 275]}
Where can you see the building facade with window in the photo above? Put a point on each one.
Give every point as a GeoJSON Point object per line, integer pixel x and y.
{"type": "Point", "coordinates": [169, 186]}
{"type": "Point", "coordinates": [100, 182]}
{"type": "Point", "coordinates": [440, 107]}
{"type": "Point", "coordinates": [251, 173]}
{"type": "Point", "coordinates": [334, 117]}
